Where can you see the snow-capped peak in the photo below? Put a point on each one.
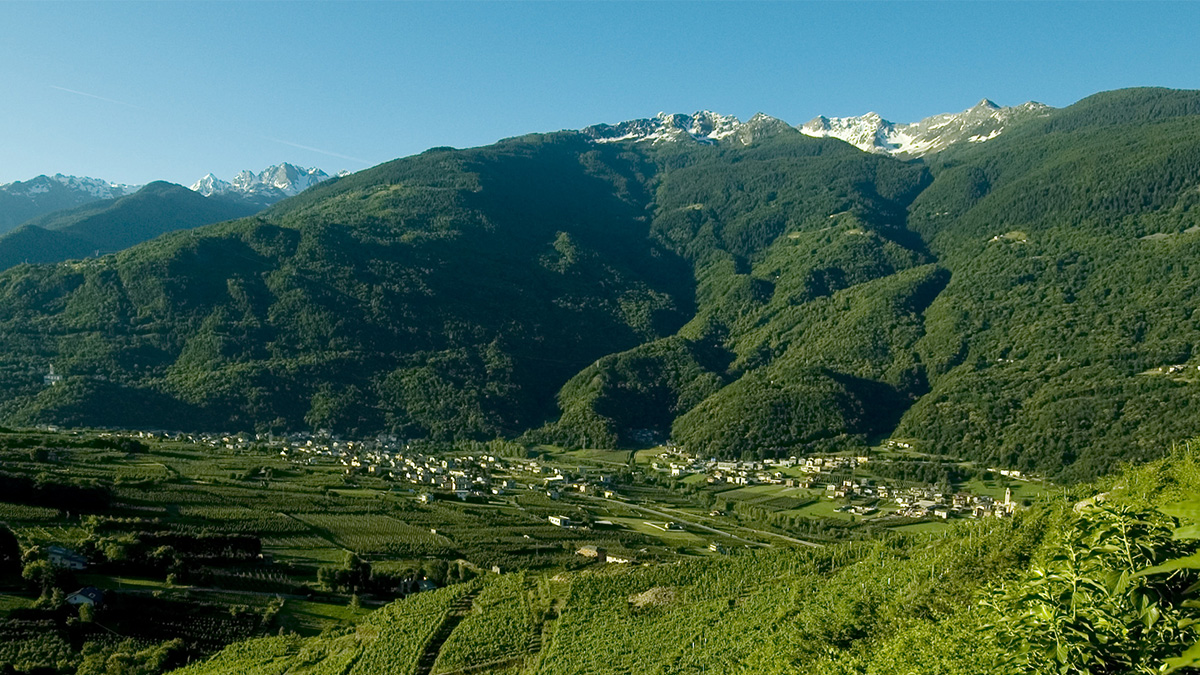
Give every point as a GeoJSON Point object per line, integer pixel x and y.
{"type": "Point", "coordinates": [271, 184]}
{"type": "Point", "coordinates": [98, 188]}
{"type": "Point", "coordinates": [872, 133]}
{"type": "Point", "coordinates": [93, 187]}
{"type": "Point", "coordinates": [209, 185]}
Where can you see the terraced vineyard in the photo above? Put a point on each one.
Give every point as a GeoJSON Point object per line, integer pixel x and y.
{"type": "Point", "coordinates": [389, 642]}
{"type": "Point", "coordinates": [499, 628]}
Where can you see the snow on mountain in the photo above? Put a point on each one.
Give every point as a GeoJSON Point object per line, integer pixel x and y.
{"type": "Point", "coordinates": [869, 132]}
{"type": "Point", "coordinates": [271, 184]}
{"type": "Point", "coordinates": [98, 188]}
{"type": "Point", "coordinates": [94, 187]}
{"type": "Point", "coordinates": [210, 185]}
{"type": "Point", "coordinates": [872, 133]}
{"type": "Point", "coordinates": [22, 200]}
{"type": "Point", "coordinates": [703, 127]}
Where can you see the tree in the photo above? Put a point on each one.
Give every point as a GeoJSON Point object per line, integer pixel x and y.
{"type": "Point", "coordinates": [46, 578]}
{"type": "Point", "coordinates": [10, 552]}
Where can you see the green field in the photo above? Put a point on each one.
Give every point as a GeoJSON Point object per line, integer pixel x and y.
{"type": "Point", "coordinates": [655, 530]}
{"type": "Point", "coordinates": [1021, 489]}
{"type": "Point", "coordinates": [311, 618]}
{"type": "Point", "coordinates": [274, 523]}
{"type": "Point", "coordinates": [823, 508]}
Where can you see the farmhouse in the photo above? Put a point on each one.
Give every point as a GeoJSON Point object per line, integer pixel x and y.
{"type": "Point", "coordinates": [88, 595]}
{"type": "Point", "coordinates": [66, 558]}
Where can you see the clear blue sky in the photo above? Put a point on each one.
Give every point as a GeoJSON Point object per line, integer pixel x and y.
{"type": "Point", "coordinates": [134, 92]}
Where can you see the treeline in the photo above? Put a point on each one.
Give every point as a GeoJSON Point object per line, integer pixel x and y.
{"type": "Point", "coordinates": [70, 496]}
{"type": "Point", "coordinates": [357, 576]}
{"type": "Point", "coordinates": [925, 472]}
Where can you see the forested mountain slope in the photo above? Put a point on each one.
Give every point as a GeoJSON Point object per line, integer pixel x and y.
{"type": "Point", "coordinates": [1072, 246]}
{"type": "Point", "coordinates": [1060, 296]}
{"type": "Point", "coordinates": [1018, 302]}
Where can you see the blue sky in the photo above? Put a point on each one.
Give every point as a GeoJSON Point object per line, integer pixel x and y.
{"type": "Point", "coordinates": [134, 92]}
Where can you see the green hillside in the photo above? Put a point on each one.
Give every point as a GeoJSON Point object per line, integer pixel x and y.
{"type": "Point", "coordinates": [1026, 302]}
{"type": "Point", "coordinates": [389, 641]}
{"type": "Point", "coordinates": [112, 224]}
{"type": "Point", "coordinates": [1069, 244]}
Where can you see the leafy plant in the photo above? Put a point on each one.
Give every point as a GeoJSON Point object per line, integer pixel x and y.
{"type": "Point", "coordinates": [1088, 608]}
{"type": "Point", "coordinates": [1188, 514]}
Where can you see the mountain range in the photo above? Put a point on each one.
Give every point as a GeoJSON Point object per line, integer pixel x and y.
{"type": "Point", "coordinates": [1024, 302]}
{"type": "Point", "coordinates": [22, 201]}
{"type": "Point", "coordinates": [868, 132]}
{"type": "Point", "coordinates": [108, 225]}
{"type": "Point", "coordinates": [872, 133]}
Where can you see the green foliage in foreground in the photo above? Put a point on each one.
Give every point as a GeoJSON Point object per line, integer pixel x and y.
{"type": "Point", "coordinates": [1085, 607]}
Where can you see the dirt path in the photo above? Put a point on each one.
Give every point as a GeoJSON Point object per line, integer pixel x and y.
{"type": "Point", "coordinates": [462, 607]}
{"type": "Point", "coordinates": [532, 648]}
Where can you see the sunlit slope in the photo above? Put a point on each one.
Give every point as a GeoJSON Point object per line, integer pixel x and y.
{"type": "Point", "coordinates": [389, 641]}
{"type": "Point", "coordinates": [1072, 246]}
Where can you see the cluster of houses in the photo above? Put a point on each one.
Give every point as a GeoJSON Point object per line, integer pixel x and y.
{"type": "Point", "coordinates": [958, 505]}
{"type": "Point", "coordinates": [389, 457]}
{"type": "Point", "coordinates": [554, 481]}
{"type": "Point", "coordinates": [65, 558]}
{"type": "Point", "coordinates": [913, 502]}
{"type": "Point", "coordinates": [756, 472]}
{"type": "Point", "coordinates": [920, 502]}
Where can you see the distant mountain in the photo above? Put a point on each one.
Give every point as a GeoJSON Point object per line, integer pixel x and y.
{"type": "Point", "coordinates": [264, 188]}
{"type": "Point", "coordinates": [22, 200]}
{"type": "Point", "coordinates": [108, 225]}
{"type": "Point", "coordinates": [872, 133]}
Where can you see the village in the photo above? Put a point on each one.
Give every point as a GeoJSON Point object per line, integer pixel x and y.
{"type": "Point", "coordinates": [843, 479]}
{"type": "Point", "coordinates": [832, 477]}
